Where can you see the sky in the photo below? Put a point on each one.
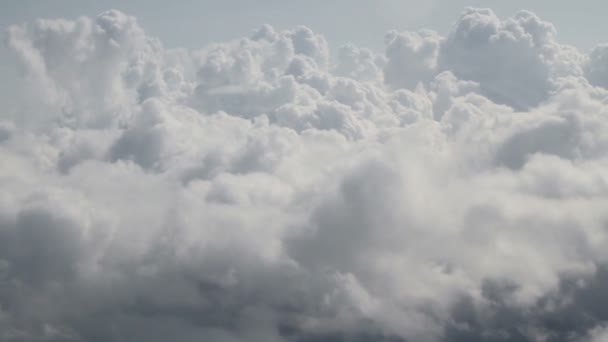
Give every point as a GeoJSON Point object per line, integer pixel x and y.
{"type": "Point", "coordinates": [192, 24]}
{"type": "Point", "coordinates": [304, 171]}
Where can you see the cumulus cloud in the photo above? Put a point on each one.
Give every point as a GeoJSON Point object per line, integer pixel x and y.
{"type": "Point", "coordinates": [450, 188]}
{"type": "Point", "coordinates": [596, 69]}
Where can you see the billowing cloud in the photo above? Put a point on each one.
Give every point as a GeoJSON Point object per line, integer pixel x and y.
{"type": "Point", "coordinates": [451, 188]}
{"type": "Point", "coordinates": [596, 67]}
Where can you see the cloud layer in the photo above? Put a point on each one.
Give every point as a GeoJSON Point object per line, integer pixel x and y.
{"type": "Point", "coordinates": [449, 189]}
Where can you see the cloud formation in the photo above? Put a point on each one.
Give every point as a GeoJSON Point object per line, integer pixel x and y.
{"type": "Point", "coordinates": [449, 189]}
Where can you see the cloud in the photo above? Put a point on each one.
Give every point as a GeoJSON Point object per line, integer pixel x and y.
{"type": "Point", "coordinates": [448, 189]}
{"type": "Point", "coordinates": [595, 68]}
{"type": "Point", "coordinates": [516, 61]}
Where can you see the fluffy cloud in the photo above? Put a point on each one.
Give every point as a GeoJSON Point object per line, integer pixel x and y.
{"type": "Point", "coordinates": [449, 189]}
{"type": "Point", "coordinates": [516, 61]}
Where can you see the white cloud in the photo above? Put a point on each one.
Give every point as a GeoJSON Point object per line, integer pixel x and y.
{"type": "Point", "coordinates": [452, 188]}
{"type": "Point", "coordinates": [516, 61]}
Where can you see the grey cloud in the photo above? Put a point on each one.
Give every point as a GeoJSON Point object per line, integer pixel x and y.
{"type": "Point", "coordinates": [596, 69]}
{"type": "Point", "coordinates": [448, 189]}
